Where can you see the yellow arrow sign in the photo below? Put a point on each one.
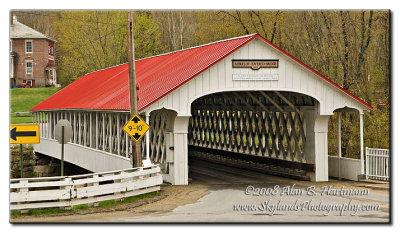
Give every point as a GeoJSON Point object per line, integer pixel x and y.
{"type": "Point", "coordinates": [136, 127]}
{"type": "Point", "coordinates": [24, 134]}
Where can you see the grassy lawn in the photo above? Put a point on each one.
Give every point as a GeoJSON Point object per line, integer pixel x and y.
{"type": "Point", "coordinates": [102, 205]}
{"type": "Point", "coordinates": [23, 99]}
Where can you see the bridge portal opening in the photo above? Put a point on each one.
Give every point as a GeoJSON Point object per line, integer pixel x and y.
{"type": "Point", "coordinates": [265, 131]}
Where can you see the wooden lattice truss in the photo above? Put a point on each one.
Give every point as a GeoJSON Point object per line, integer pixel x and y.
{"type": "Point", "coordinates": [103, 131]}
{"type": "Point", "coordinates": [94, 129]}
{"type": "Point", "coordinates": [161, 122]}
{"type": "Point", "coordinates": [266, 124]}
{"type": "Point", "coordinates": [260, 123]}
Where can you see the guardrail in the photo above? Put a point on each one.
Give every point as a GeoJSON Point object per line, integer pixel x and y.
{"type": "Point", "coordinates": [68, 191]}
{"type": "Point", "coordinates": [377, 163]}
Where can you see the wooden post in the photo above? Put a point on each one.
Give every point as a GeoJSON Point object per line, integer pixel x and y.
{"type": "Point", "coordinates": [70, 120]}
{"type": "Point", "coordinates": [103, 144]}
{"type": "Point", "coordinates": [339, 123]}
{"type": "Point", "coordinates": [137, 155]}
{"type": "Point", "coordinates": [362, 142]}
{"type": "Point", "coordinates": [50, 121]}
{"type": "Point", "coordinates": [366, 164]}
{"type": "Point", "coordinates": [118, 134]}
{"type": "Point", "coordinates": [97, 130]}
{"type": "Point", "coordinates": [90, 130]}
{"type": "Point", "coordinates": [74, 127]}
{"type": "Point", "coordinates": [321, 148]}
{"type": "Point", "coordinates": [126, 140]}
{"type": "Point", "coordinates": [53, 125]}
{"type": "Point", "coordinates": [79, 128]}
{"type": "Point", "coordinates": [62, 150]}
{"type": "Point", "coordinates": [84, 129]}
{"type": "Point", "coordinates": [46, 122]}
{"type": "Point", "coordinates": [110, 136]}
{"type": "Point", "coordinates": [39, 121]}
{"type": "Point", "coordinates": [148, 138]}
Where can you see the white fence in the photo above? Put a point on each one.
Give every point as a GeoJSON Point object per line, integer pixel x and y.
{"type": "Point", "coordinates": [68, 191]}
{"type": "Point", "coordinates": [377, 163]}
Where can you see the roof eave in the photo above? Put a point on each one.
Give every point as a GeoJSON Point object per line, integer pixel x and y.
{"type": "Point", "coordinates": [316, 72]}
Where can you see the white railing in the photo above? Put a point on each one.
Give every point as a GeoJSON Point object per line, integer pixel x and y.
{"type": "Point", "coordinates": [377, 163]}
{"type": "Point", "coordinates": [68, 191]}
{"type": "Point", "coordinates": [346, 168]}
{"type": "Point", "coordinates": [94, 129]}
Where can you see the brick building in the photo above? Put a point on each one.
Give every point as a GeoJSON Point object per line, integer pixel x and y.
{"type": "Point", "coordinates": [32, 57]}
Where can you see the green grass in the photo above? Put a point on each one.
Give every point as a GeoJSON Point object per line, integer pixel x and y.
{"type": "Point", "coordinates": [102, 204]}
{"type": "Point", "coordinates": [111, 203]}
{"type": "Point", "coordinates": [38, 212]}
{"type": "Point", "coordinates": [80, 207]}
{"type": "Point", "coordinates": [23, 99]}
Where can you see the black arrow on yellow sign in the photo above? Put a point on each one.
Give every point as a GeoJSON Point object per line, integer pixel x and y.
{"type": "Point", "coordinates": [15, 134]}
{"type": "Point", "coordinates": [136, 119]}
{"type": "Point", "coordinates": [136, 136]}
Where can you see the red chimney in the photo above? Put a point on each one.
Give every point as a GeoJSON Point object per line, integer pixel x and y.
{"type": "Point", "coordinates": [11, 18]}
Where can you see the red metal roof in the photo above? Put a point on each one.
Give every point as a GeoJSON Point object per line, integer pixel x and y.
{"type": "Point", "coordinates": [156, 76]}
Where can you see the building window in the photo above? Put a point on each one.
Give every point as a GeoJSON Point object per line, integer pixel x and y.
{"type": "Point", "coordinates": [28, 46]}
{"type": "Point", "coordinates": [52, 51]}
{"type": "Point", "coordinates": [10, 46]}
{"type": "Point", "coordinates": [29, 67]}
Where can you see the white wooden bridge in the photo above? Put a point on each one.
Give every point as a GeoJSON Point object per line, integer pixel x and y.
{"type": "Point", "coordinates": [196, 100]}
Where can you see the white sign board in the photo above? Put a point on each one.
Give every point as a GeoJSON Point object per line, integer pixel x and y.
{"type": "Point", "coordinates": [255, 77]}
{"type": "Point", "coordinates": [67, 131]}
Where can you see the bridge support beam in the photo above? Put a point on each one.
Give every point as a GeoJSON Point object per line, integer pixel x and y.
{"type": "Point", "coordinates": [316, 147]}
{"type": "Point", "coordinates": [178, 167]}
{"type": "Point", "coordinates": [309, 147]}
{"type": "Point", "coordinates": [321, 148]}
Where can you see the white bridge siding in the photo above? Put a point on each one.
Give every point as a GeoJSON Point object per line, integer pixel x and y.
{"type": "Point", "coordinates": [85, 157]}
{"type": "Point", "coordinates": [98, 142]}
{"type": "Point", "coordinates": [292, 77]}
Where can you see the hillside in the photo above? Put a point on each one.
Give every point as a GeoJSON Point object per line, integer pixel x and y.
{"type": "Point", "coordinates": [23, 99]}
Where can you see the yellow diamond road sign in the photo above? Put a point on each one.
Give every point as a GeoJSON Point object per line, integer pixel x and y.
{"type": "Point", "coordinates": [24, 134]}
{"type": "Point", "coordinates": [136, 128]}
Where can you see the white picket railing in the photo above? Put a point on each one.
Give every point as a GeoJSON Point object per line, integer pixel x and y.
{"type": "Point", "coordinates": [377, 163]}
{"type": "Point", "coordinates": [68, 191]}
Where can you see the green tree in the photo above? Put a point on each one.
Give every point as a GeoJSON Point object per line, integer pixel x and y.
{"type": "Point", "coordinates": [93, 40]}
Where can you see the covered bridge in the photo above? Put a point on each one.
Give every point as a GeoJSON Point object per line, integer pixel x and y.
{"type": "Point", "coordinates": [243, 97]}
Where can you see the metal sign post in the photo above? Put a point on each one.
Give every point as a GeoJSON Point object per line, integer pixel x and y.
{"type": "Point", "coordinates": [63, 133]}
{"type": "Point", "coordinates": [21, 164]}
{"type": "Point", "coordinates": [24, 134]}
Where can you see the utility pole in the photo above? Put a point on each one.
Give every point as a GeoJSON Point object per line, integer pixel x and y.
{"type": "Point", "coordinates": [133, 99]}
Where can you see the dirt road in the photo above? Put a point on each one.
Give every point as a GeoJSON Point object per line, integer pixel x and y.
{"type": "Point", "coordinates": [224, 194]}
